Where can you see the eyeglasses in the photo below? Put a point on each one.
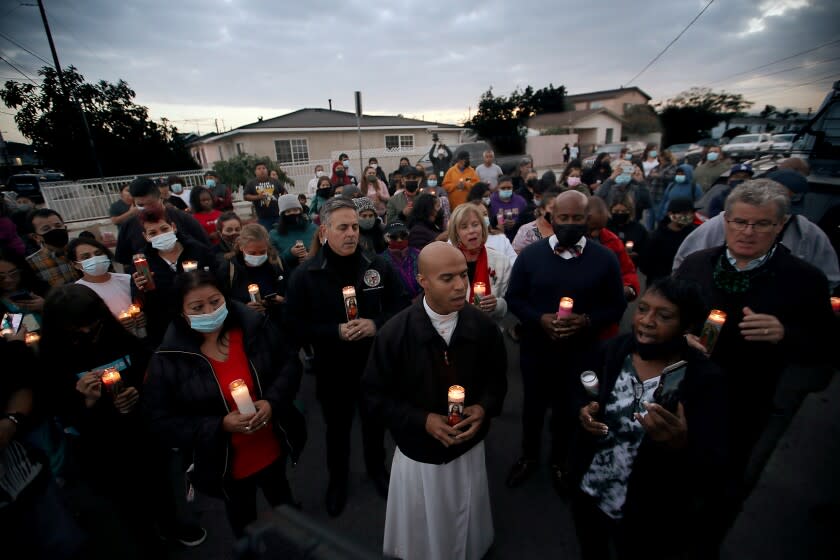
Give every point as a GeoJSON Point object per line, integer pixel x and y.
{"type": "Point", "coordinates": [638, 393]}
{"type": "Point", "coordinates": [764, 226]}
{"type": "Point", "coordinates": [10, 274]}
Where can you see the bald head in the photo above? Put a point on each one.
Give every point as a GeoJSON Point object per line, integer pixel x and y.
{"type": "Point", "coordinates": [442, 273]}
{"type": "Point", "coordinates": [569, 208]}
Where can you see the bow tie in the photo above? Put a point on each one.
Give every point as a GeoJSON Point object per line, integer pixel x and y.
{"type": "Point", "coordinates": [574, 250]}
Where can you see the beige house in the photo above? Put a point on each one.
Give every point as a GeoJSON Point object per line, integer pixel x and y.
{"type": "Point", "coordinates": [307, 136]}
{"type": "Point", "coordinates": [614, 100]}
{"type": "Point", "coordinates": [592, 126]}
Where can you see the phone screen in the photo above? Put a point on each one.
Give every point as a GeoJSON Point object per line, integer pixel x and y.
{"type": "Point", "coordinates": [12, 321]}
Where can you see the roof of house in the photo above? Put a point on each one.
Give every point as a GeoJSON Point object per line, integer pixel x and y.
{"type": "Point", "coordinates": [325, 118]}
{"type": "Point", "coordinates": [605, 94]}
{"type": "Point", "coordinates": [566, 118]}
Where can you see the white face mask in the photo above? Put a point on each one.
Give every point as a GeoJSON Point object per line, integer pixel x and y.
{"type": "Point", "coordinates": [255, 260]}
{"type": "Point", "coordinates": [164, 242]}
{"type": "Point", "coordinates": [97, 265]}
{"type": "Point", "coordinates": [486, 220]}
{"type": "Point", "coordinates": [319, 173]}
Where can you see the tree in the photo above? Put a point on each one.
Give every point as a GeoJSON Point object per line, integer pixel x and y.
{"type": "Point", "coordinates": [767, 112]}
{"type": "Point", "coordinates": [640, 120]}
{"type": "Point", "coordinates": [693, 113]}
{"type": "Point", "coordinates": [238, 170]}
{"type": "Point", "coordinates": [501, 121]}
{"type": "Point", "coordinates": [127, 141]}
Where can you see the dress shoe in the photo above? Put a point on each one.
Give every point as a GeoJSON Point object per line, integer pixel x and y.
{"type": "Point", "coordinates": [560, 481]}
{"type": "Point", "coordinates": [336, 498]}
{"type": "Point", "coordinates": [381, 481]}
{"type": "Point", "coordinates": [520, 472]}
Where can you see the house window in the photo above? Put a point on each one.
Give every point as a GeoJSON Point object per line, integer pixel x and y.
{"type": "Point", "coordinates": [609, 136]}
{"type": "Point", "coordinates": [399, 142]}
{"type": "Point", "coordinates": [596, 105]}
{"type": "Point", "coordinates": [240, 148]}
{"type": "Point", "coordinates": [292, 151]}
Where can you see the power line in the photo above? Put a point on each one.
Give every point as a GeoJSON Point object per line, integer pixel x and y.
{"type": "Point", "coordinates": [19, 71]}
{"type": "Point", "coordinates": [10, 11]}
{"type": "Point", "coordinates": [818, 47]}
{"type": "Point", "coordinates": [12, 41]}
{"type": "Point", "coordinates": [668, 46]}
{"type": "Point", "coordinates": [823, 79]}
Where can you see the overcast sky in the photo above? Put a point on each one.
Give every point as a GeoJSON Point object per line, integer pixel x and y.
{"type": "Point", "coordinates": [194, 61]}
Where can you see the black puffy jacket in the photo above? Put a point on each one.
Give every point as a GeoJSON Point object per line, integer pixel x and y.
{"type": "Point", "coordinates": [185, 405]}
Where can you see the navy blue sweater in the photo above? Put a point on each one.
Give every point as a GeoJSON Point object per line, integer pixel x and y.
{"type": "Point", "coordinates": [540, 278]}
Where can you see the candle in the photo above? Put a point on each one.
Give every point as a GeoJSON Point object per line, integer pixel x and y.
{"type": "Point", "coordinates": [590, 382]}
{"type": "Point", "coordinates": [351, 306]}
{"type": "Point", "coordinates": [112, 381]}
{"type": "Point", "coordinates": [629, 246]}
{"type": "Point", "coordinates": [141, 266]}
{"type": "Point", "coordinates": [32, 338]}
{"type": "Point", "coordinates": [712, 328]}
{"type": "Point", "coordinates": [456, 404]}
{"type": "Point", "coordinates": [254, 292]}
{"type": "Point", "coordinates": [479, 291]}
{"type": "Point", "coordinates": [125, 315]}
{"type": "Point", "coordinates": [190, 266]}
{"type": "Point", "coordinates": [134, 312]}
{"type": "Point", "coordinates": [565, 308]}
{"type": "Point", "coordinates": [240, 394]}
{"type": "Point", "coordinates": [835, 304]}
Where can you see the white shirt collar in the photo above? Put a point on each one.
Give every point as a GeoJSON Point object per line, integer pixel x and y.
{"type": "Point", "coordinates": [443, 324]}
{"type": "Point", "coordinates": [581, 245]}
{"type": "Point", "coordinates": [753, 264]}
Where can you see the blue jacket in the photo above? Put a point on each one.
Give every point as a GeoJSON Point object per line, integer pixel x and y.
{"type": "Point", "coordinates": [688, 189]}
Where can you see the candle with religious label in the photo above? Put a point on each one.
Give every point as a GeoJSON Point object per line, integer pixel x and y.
{"type": "Point", "coordinates": [590, 382]}
{"type": "Point", "coordinates": [190, 266]}
{"type": "Point", "coordinates": [141, 266]}
{"type": "Point", "coordinates": [629, 246]}
{"type": "Point", "coordinates": [835, 304]}
{"type": "Point", "coordinates": [254, 292]}
{"type": "Point", "coordinates": [479, 291]}
{"type": "Point", "coordinates": [240, 394]}
{"type": "Point", "coordinates": [456, 404]}
{"type": "Point", "coordinates": [351, 306]}
{"type": "Point", "coordinates": [112, 381]}
{"type": "Point", "coordinates": [565, 308]}
{"type": "Point", "coordinates": [712, 328]}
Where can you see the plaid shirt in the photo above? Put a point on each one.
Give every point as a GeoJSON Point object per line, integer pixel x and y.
{"type": "Point", "coordinates": [53, 268]}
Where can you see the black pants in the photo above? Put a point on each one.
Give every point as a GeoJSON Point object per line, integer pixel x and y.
{"type": "Point", "coordinates": [546, 387]}
{"type": "Point", "coordinates": [338, 406]}
{"type": "Point", "coordinates": [241, 495]}
{"type": "Point", "coordinates": [597, 532]}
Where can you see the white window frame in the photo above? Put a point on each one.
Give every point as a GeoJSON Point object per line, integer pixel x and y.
{"type": "Point", "coordinates": [596, 104]}
{"type": "Point", "coordinates": [405, 142]}
{"type": "Point", "coordinates": [240, 148]}
{"type": "Point", "coordinates": [299, 153]}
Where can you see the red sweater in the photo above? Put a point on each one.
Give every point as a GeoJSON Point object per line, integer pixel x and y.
{"type": "Point", "coordinates": [629, 277]}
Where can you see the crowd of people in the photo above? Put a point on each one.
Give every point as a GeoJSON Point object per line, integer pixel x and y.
{"type": "Point", "coordinates": [183, 350]}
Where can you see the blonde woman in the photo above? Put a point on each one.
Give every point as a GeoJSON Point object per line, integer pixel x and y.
{"type": "Point", "coordinates": [255, 261]}
{"type": "Point", "coordinates": [468, 232]}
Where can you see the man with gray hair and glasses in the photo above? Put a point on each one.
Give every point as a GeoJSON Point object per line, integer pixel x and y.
{"type": "Point", "coordinates": [777, 313]}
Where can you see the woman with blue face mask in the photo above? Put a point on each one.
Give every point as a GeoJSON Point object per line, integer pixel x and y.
{"type": "Point", "coordinates": [627, 179]}
{"type": "Point", "coordinates": [93, 260]}
{"type": "Point", "coordinates": [215, 348]}
{"type": "Point", "coordinates": [712, 166]}
{"type": "Point", "coordinates": [256, 262]}
{"type": "Point", "coordinates": [166, 252]}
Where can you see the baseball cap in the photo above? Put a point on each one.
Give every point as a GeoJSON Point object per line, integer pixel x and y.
{"type": "Point", "coordinates": [741, 168]}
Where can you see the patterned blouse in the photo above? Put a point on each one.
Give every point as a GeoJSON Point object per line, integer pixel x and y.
{"type": "Point", "coordinates": [606, 479]}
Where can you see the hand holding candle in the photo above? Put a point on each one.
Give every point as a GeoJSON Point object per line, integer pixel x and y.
{"type": "Point", "coordinates": [629, 246]}
{"type": "Point", "coordinates": [351, 306]}
{"type": "Point", "coordinates": [32, 339]}
{"type": "Point", "coordinates": [112, 381]}
{"type": "Point", "coordinates": [479, 291]}
{"type": "Point", "coordinates": [589, 380]}
{"type": "Point", "coordinates": [254, 292]}
{"type": "Point", "coordinates": [712, 328]}
{"type": "Point", "coordinates": [242, 397]}
{"type": "Point", "coordinates": [456, 404]}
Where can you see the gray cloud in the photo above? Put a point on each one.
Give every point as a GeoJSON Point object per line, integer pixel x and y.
{"type": "Point", "coordinates": [421, 56]}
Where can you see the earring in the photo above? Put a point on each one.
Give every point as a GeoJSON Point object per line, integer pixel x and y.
{"type": "Point", "coordinates": [323, 241]}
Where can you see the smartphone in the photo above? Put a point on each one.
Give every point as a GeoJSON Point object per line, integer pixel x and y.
{"type": "Point", "coordinates": [667, 394]}
{"type": "Point", "coordinates": [21, 295]}
{"type": "Point", "coordinates": [11, 322]}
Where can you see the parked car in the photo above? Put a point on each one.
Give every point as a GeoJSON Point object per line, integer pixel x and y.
{"type": "Point", "coordinates": [783, 142]}
{"type": "Point", "coordinates": [748, 146]}
{"type": "Point", "coordinates": [476, 151]}
{"type": "Point", "coordinates": [28, 185]}
{"type": "Point", "coordinates": [679, 151]}
{"type": "Point", "coordinates": [636, 148]}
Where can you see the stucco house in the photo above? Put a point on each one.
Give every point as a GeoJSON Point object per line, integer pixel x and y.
{"type": "Point", "coordinates": [615, 100]}
{"type": "Point", "coordinates": [592, 126]}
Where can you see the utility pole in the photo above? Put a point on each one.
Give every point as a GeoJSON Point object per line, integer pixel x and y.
{"type": "Point", "coordinates": [67, 91]}
{"type": "Point", "coordinates": [217, 125]}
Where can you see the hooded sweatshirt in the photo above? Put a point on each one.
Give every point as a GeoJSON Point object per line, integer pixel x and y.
{"type": "Point", "coordinates": [687, 189]}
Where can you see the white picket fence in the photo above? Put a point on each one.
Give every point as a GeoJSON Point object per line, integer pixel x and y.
{"type": "Point", "coordinates": [91, 199]}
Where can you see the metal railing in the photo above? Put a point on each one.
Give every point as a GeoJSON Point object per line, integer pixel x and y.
{"type": "Point", "coordinates": [91, 199]}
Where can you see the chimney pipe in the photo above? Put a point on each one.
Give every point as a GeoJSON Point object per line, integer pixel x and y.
{"type": "Point", "coordinates": [330, 100]}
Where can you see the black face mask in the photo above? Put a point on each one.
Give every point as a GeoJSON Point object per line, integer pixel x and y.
{"type": "Point", "coordinates": [293, 221]}
{"type": "Point", "coordinates": [661, 350]}
{"type": "Point", "coordinates": [531, 183]}
{"type": "Point", "coordinates": [620, 219]}
{"type": "Point", "coordinates": [56, 237]}
{"type": "Point", "coordinates": [568, 234]}
{"type": "Point", "coordinates": [411, 186]}
{"type": "Point", "coordinates": [325, 192]}
{"type": "Point", "coordinates": [339, 173]}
